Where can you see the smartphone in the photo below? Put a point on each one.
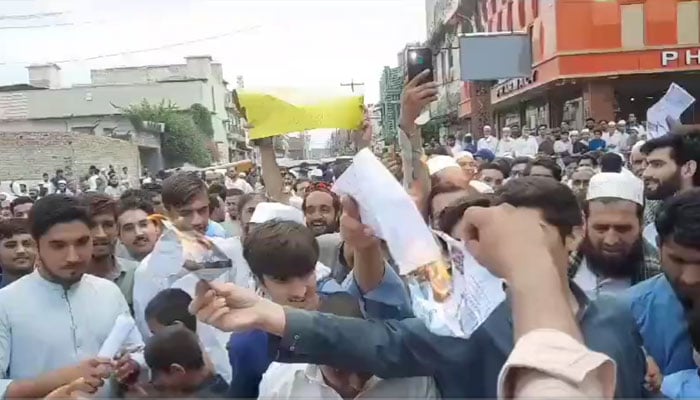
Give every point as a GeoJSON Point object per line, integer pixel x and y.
{"type": "Point", "coordinates": [418, 59]}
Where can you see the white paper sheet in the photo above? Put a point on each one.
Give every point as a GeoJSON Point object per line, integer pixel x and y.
{"type": "Point", "coordinates": [672, 104]}
{"type": "Point", "coordinates": [389, 210]}
{"type": "Point", "coordinates": [123, 326]}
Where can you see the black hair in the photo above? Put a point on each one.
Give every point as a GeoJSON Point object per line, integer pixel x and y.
{"type": "Point", "coordinates": [19, 201]}
{"type": "Point", "coordinates": [173, 345]}
{"type": "Point", "coordinates": [590, 156]}
{"type": "Point", "coordinates": [13, 226]}
{"type": "Point", "coordinates": [246, 198]}
{"type": "Point", "coordinates": [180, 188]}
{"type": "Point", "coordinates": [99, 204]}
{"type": "Point", "coordinates": [684, 148]}
{"type": "Point", "coordinates": [450, 136]}
{"type": "Point", "coordinates": [678, 219]}
{"type": "Point", "coordinates": [134, 203]}
{"type": "Point", "coordinates": [139, 193]}
{"type": "Point", "coordinates": [213, 203]}
{"type": "Point", "coordinates": [608, 200]}
{"type": "Point", "coordinates": [611, 162]}
{"type": "Point", "coordinates": [450, 216]}
{"type": "Point", "coordinates": [218, 189]}
{"type": "Point", "coordinates": [556, 201]}
{"type": "Point", "coordinates": [281, 250]}
{"type": "Point", "coordinates": [547, 163]}
{"type": "Point", "coordinates": [494, 165]}
{"type": "Point", "coordinates": [437, 151]}
{"type": "Point", "coordinates": [300, 180]}
{"type": "Point", "coordinates": [521, 160]}
{"type": "Point", "coordinates": [170, 306]}
{"type": "Point", "coordinates": [590, 119]}
{"type": "Point", "coordinates": [56, 209]}
{"type": "Point", "coordinates": [233, 192]}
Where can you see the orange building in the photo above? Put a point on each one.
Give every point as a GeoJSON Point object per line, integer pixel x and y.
{"type": "Point", "coordinates": [601, 59]}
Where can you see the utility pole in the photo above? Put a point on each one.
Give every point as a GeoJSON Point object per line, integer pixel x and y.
{"type": "Point", "coordinates": [352, 85]}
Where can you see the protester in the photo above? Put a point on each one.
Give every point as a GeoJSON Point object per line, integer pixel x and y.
{"type": "Point", "coordinates": [20, 206]}
{"type": "Point", "coordinates": [321, 209]}
{"type": "Point", "coordinates": [41, 354]}
{"type": "Point", "coordinates": [660, 304]}
{"type": "Point", "coordinates": [137, 233]}
{"type": "Point", "coordinates": [613, 255]}
{"type": "Point", "coordinates": [17, 250]}
{"type": "Point", "coordinates": [407, 348]}
{"type": "Point", "coordinates": [672, 167]}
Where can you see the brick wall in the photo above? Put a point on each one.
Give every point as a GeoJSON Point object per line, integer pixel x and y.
{"type": "Point", "coordinates": [25, 156]}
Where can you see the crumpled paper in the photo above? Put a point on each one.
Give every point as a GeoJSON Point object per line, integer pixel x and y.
{"type": "Point", "coordinates": [455, 302]}
{"type": "Point", "coordinates": [179, 252]}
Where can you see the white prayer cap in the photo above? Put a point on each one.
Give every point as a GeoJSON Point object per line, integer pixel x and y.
{"type": "Point", "coordinates": [268, 211]}
{"type": "Point", "coordinates": [637, 148]}
{"type": "Point", "coordinates": [585, 130]}
{"type": "Point", "coordinates": [438, 163]}
{"type": "Point", "coordinates": [480, 187]}
{"type": "Point", "coordinates": [573, 132]}
{"type": "Point", "coordinates": [463, 154]}
{"type": "Point", "coordinates": [611, 123]}
{"type": "Point", "coordinates": [622, 122]}
{"type": "Point", "coordinates": [616, 185]}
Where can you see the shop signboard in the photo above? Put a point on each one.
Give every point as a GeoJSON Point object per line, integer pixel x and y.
{"type": "Point", "coordinates": [680, 58]}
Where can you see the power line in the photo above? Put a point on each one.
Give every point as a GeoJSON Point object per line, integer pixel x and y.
{"type": "Point", "coordinates": [24, 17]}
{"type": "Point", "coordinates": [2, 28]}
{"type": "Point", "coordinates": [128, 52]}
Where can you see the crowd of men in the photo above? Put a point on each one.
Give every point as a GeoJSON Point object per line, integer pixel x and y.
{"type": "Point", "coordinates": [598, 244]}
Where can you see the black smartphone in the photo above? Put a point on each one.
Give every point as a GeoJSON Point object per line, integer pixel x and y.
{"type": "Point", "coordinates": [418, 59]}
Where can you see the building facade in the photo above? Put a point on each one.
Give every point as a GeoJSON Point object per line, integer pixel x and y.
{"type": "Point", "coordinates": [45, 105]}
{"type": "Point", "coordinates": [390, 87]}
{"type": "Point", "coordinates": [592, 59]}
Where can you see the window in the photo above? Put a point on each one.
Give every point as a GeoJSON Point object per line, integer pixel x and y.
{"type": "Point", "coordinates": [521, 14]}
{"type": "Point", "coordinates": [108, 131]}
{"type": "Point", "coordinates": [535, 8]}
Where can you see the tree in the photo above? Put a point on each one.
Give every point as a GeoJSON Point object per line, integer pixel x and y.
{"type": "Point", "coordinates": [183, 140]}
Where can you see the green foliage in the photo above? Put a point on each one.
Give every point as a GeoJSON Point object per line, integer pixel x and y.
{"type": "Point", "coordinates": [202, 118]}
{"type": "Point", "coordinates": [430, 131]}
{"type": "Point", "coordinates": [183, 141]}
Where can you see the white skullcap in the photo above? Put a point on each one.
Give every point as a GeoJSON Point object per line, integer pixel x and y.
{"type": "Point", "coordinates": [611, 123]}
{"type": "Point", "coordinates": [585, 130]}
{"type": "Point", "coordinates": [462, 154]}
{"type": "Point", "coordinates": [487, 127]}
{"type": "Point", "coordinates": [268, 211]}
{"type": "Point", "coordinates": [622, 122]}
{"type": "Point", "coordinates": [573, 132]}
{"type": "Point", "coordinates": [638, 146]}
{"type": "Point", "coordinates": [623, 186]}
{"type": "Point", "coordinates": [438, 163]}
{"type": "Point", "coordinates": [480, 187]}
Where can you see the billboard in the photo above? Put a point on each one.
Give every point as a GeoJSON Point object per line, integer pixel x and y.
{"type": "Point", "coordinates": [493, 56]}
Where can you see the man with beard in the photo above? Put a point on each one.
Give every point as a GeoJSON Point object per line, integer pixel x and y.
{"type": "Point", "coordinates": [613, 255]}
{"type": "Point", "coordinates": [103, 215]}
{"type": "Point", "coordinates": [660, 304]}
{"type": "Point", "coordinates": [672, 166]}
{"type": "Point", "coordinates": [55, 336]}
{"type": "Point", "coordinates": [17, 250]}
{"type": "Point", "coordinates": [321, 209]}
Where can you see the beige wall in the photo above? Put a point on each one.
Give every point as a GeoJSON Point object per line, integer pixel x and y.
{"type": "Point", "coordinates": [25, 156]}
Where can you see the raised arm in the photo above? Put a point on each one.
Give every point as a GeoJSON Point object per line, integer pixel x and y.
{"type": "Point", "coordinates": [271, 171]}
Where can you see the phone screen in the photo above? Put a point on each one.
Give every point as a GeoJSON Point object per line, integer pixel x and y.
{"type": "Point", "coordinates": [418, 59]}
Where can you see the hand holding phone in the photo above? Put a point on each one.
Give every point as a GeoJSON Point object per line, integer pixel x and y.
{"type": "Point", "coordinates": [419, 59]}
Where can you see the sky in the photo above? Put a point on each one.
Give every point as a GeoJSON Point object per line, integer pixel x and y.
{"type": "Point", "coordinates": [292, 43]}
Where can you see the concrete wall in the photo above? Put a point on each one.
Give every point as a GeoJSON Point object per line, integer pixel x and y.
{"type": "Point", "coordinates": [25, 156]}
{"type": "Point", "coordinates": [100, 100]}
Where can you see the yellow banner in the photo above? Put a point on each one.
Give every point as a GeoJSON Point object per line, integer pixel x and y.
{"type": "Point", "coordinates": [273, 113]}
